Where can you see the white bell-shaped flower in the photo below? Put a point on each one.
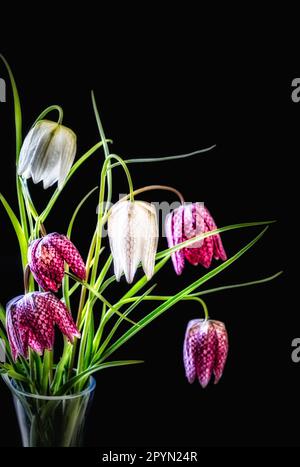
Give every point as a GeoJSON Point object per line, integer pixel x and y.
{"type": "Point", "coordinates": [133, 235]}
{"type": "Point", "coordinates": [47, 153]}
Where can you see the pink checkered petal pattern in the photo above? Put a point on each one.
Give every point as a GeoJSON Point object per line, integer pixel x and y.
{"type": "Point", "coordinates": [207, 342]}
{"type": "Point", "coordinates": [173, 228]}
{"type": "Point", "coordinates": [69, 253]}
{"type": "Point", "coordinates": [46, 264]}
{"type": "Point", "coordinates": [205, 350]}
{"type": "Point", "coordinates": [221, 351]}
{"type": "Point", "coordinates": [218, 249]}
{"type": "Point", "coordinates": [46, 258]}
{"type": "Point", "coordinates": [187, 222]}
{"type": "Point", "coordinates": [62, 317]}
{"type": "Point", "coordinates": [30, 321]}
{"type": "Point", "coordinates": [190, 350]}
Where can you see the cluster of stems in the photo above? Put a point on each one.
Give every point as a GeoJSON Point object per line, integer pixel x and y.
{"type": "Point", "coordinates": [70, 371]}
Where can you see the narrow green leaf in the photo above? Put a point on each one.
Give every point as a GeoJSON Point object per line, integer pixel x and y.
{"type": "Point", "coordinates": [66, 290]}
{"type": "Point", "coordinates": [174, 299]}
{"type": "Point", "coordinates": [203, 292]}
{"type": "Point", "coordinates": [73, 170]}
{"type": "Point", "coordinates": [2, 315]}
{"type": "Point", "coordinates": [18, 229]}
{"type": "Point", "coordinates": [166, 253]}
{"type": "Point", "coordinates": [61, 366]}
{"type": "Point", "coordinates": [103, 272]}
{"type": "Point", "coordinates": [168, 158]}
{"type": "Point", "coordinates": [186, 243]}
{"type": "Point", "coordinates": [117, 324]}
{"type": "Point", "coordinates": [235, 286]}
{"type": "Point", "coordinates": [18, 129]}
{"type": "Point", "coordinates": [7, 347]}
{"type": "Point", "coordinates": [13, 374]}
{"type": "Point", "coordinates": [99, 332]}
{"type": "Point", "coordinates": [86, 373]}
{"type": "Point", "coordinates": [78, 207]}
{"type": "Point", "coordinates": [17, 108]}
{"type": "Point", "coordinates": [105, 146]}
{"type": "Point", "coordinates": [100, 297]}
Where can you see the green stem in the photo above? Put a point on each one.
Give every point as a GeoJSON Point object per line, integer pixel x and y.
{"type": "Point", "coordinates": [32, 371]}
{"type": "Point", "coordinates": [235, 286]}
{"type": "Point", "coordinates": [167, 297]}
{"type": "Point", "coordinates": [18, 131]}
{"type": "Point", "coordinates": [47, 370]}
{"type": "Point", "coordinates": [48, 110]}
{"type": "Point", "coordinates": [168, 158]}
{"type": "Point", "coordinates": [105, 147]}
{"type": "Point", "coordinates": [81, 306]}
{"type": "Point", "coordinates": [57, 192]}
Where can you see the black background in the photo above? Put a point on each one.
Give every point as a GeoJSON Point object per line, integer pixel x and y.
{"type": "Point", "coordinates": [164, 99]}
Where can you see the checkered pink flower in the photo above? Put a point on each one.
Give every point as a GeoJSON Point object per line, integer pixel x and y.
{"type": "Point", "coordinates": [205, 350]}
{"type": "Point", "coordinates": [46, 258]}
{"type": "Point", "coordinates": [189, 221]}
{"type": "Point", "coordinates": [30, 321]}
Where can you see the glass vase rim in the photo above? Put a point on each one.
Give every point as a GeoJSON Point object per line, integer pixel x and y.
{"type": "Point", "coordinates": [91, 387]}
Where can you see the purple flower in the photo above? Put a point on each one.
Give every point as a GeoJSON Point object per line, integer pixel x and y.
{"type": "Point", "coordinates": [46, 258]}
{"type": "Point", "coordinates": [30, 321]}
{"type": "Point", "coordinates": [189, 221]}
{"type": "Point", "coordinates": [205, 350]}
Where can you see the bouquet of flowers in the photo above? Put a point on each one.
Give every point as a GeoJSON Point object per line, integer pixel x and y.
{"type": "Point", "coordinates": [52, 392]}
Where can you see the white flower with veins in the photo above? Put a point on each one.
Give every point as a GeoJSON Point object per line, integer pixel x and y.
{"type": "Point", "coordinates": [47, 153]}
{"type": "Point", "coordinates": [133, 235]}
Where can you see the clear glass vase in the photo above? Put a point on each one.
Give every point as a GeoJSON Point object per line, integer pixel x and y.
{"type": "Point", "coordinates": [52, 421]}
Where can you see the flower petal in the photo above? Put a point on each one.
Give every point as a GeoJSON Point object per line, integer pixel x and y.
{"type": "Point", "coordinates": [46, 264]}
{"type": "Point", "coordinates": [39, 321]}
{"type": "Point", "coordinates": [13, 328]}
{"type": "Point", "coordinates": [65, 140]}
{"type": "Point", "coordinates": [61, 316]}
{"type": "Point", "coordinates": [26, 156]}
{"type": "Point", "coordinates": [218, 249]}
{"type": "Point", "coordinates": [193, 226]}
{"type": "Point", "coordinates": [41, 138]}
{"type": "Point", "coordinates": [126, 231]}
{"type": "Point", "coordinates": [113, 225]}
{"type": "Point", "coordinates": [190, 350]}
{"type": "Point", "coordinates": [221, 350]}
{"type": "Point", "coordinates": [64, 247]}
{"type": "Point", "coordinates": [47, 153]}
{"type": "Point", "coordinates": [174, 233]}
{"type": "Point", "coordinates": [207, 342]}
{"type": "Point", "coordinates": [150, 239]}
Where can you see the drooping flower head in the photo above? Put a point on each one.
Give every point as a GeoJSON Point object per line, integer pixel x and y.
{"type": "Point", "coordinates": [205, 350]}
{"type": "Point", "coordinates": [30, 321]}
{"type": "Point", "coordinates": [46, 258]}
{"type": "Point", "coordinates": [47, 153]}
{"type": "Point", "coordinates": [189, 221]}
{"type": "Point", "coordinates": [133, 236]}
